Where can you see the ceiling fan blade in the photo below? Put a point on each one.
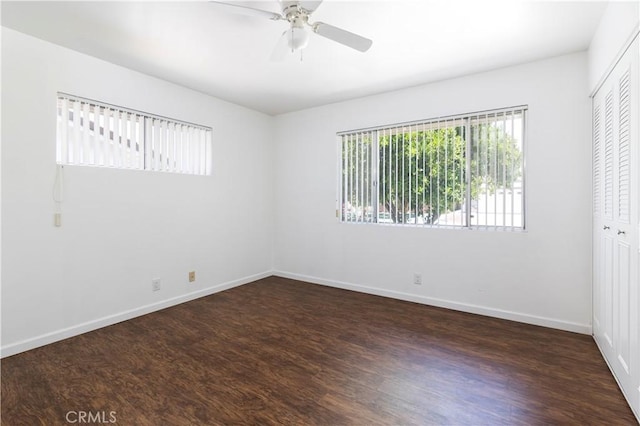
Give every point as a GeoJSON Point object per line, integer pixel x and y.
{"type": "Point", "coordinates": [244, 10]}
{"type": "Point", "coordinates": [311, 5]}
{"type": "Point", "coordinates": [341, 36]}
{"type": "Point", "coordinates": [281, 49]}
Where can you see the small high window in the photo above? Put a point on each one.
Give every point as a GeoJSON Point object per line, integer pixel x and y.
{"type": "Point", "coordinates": [91, 133]}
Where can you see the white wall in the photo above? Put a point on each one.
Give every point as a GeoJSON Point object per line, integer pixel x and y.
{"type": "Point", "coordinates": [120, 228]}
{"type": "Point", "coordinates": [541, 276]}
{"type": "Point", "coordinates": [619, 22]}
{"type": "Point", "coordinates": [123, 228]}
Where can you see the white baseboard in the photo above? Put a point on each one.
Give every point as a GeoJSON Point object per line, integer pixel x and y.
{"type": "Point", "coordinates": [464, 307]}
{"type": "Point", "coordinates": [75, 330]}
{"type": "Point", "coordinates": [55, 336]}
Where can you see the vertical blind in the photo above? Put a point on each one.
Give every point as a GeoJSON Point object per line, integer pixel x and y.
{"type": "Point", "coordinates": [91, 133]}
{"type": "Point", "coordinates": [461, 171]}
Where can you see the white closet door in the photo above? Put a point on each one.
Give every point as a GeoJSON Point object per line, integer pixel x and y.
{"type": "Point", "coordinates": [616, 189]}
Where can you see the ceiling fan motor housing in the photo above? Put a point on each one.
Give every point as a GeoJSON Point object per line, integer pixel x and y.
{"type": "Point", "coordinates": [297, 35]}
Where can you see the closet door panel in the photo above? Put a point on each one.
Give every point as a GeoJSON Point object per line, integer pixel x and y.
{"type": "Point", "coordinates": [622, 324]}
{"type": "Point", "coordinates": [616, 222]}
{"type": "Point", "coordinates": [624, 151]}
{"type": "Point", "coordinates": [607, 264]}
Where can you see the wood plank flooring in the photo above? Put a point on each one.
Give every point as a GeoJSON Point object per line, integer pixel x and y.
{"type": "Point", "coordinates": [279, 351]}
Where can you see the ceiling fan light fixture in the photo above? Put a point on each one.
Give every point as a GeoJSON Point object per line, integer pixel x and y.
{"type": "Point", "coordinates": [297, 14]}
{"type": "Point", "coordinates": [297, 38]}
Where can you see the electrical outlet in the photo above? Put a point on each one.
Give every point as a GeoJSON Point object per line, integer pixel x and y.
{"type": "Point", "coordinates": [155, 284]}
{"type": "Point", "coordinates": [192, 276]}
{"type": "Point", "coordinates": [417, 279]}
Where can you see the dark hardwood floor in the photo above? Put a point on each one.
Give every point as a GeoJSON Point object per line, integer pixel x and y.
{"type": "Point", "coordinates": [279, 351]}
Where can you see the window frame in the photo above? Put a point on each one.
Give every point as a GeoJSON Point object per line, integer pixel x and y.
{"type": "Point", "coordinates": [148, 146]}
{"type": "Point", "coordinates": [465, 120]}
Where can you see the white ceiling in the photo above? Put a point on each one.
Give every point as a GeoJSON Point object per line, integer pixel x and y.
{"type": "Point", "coordinates": [197, 45]}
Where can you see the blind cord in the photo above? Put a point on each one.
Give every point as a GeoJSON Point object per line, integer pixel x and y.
{"type": "Point", "coordinates": [58, 185]}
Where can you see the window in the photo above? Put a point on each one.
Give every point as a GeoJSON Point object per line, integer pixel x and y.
{"type": "Point", "coordinates": [91, 133]}
{"type": "Point", "coordinates": [463, 171]}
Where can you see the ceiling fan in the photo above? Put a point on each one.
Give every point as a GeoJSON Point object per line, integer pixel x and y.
{"type": "Point", "coordinates": [296, 38]}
